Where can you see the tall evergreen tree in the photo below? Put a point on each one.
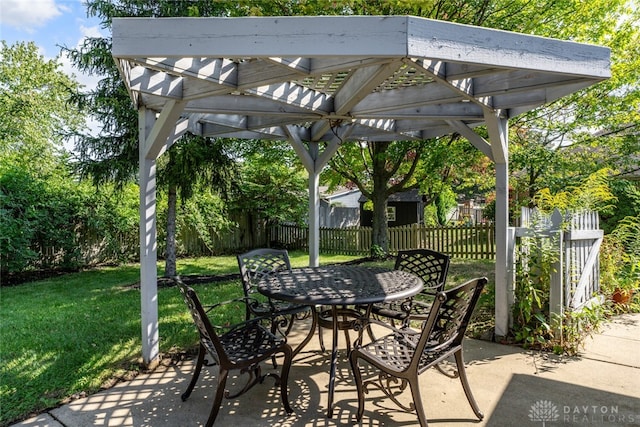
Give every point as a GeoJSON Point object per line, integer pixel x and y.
{"type": "Point", "coordinates": [112, 154]}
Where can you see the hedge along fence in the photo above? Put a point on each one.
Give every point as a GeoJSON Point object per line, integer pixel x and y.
{"type": "Point", "coordinates": [461, 241]}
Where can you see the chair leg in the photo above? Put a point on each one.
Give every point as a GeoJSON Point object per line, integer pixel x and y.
{"type": "Point", "coordinates": [370, 333]}
{"type": "Point", "coordinates": [217, 400]}
{"type": "Point", "coordinates": [465, 384]}
{"type": "Point", "coordinates": [274, 329]}
{"type": "Point", "coordinates": [346, 331]}
{"type": "Point", "coordinates": [357, 376]}
{"type": "Point", "coordinates": [196, 373]}
{"type": "Point", "coordinates": [284, 378]}
{"type": "Point", "coordinates": [321, 339]}
{"type": "Point", "coordinates": [312, 331]}
{"type": "Point", "coordinates": [417, 400]}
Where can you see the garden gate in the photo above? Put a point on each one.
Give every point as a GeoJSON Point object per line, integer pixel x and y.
{"type": "Point", "coordinates": [575, 277]}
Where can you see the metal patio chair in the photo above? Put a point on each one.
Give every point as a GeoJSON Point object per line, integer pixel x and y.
{"type": "Point", "coordinates": [254, 266]}
{"type": "Point", "coordinates": [406, 353]}
{"type": "Point", "coordinates": [432, 267]}
{"type": "Point", "coordinates": [240, 347]}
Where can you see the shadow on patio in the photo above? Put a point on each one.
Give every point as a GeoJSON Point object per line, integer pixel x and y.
{"type": "Point", "coordinates": [511, 386]}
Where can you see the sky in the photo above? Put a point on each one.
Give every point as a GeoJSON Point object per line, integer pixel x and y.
{"type": "Point", "coordinates": [50, 24]}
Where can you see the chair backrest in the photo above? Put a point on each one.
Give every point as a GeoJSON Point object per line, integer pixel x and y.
{"type": "Point", "coordinates": [431, 266]}
{"type": "Point", "coordinates": [258, 263]}
{"type": "Point", "coordinates": [449, 318]}
{"type": "Point", "coordinates": [208, 337]}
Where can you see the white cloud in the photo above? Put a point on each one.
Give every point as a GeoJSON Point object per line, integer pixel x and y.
{"type": "Point", "coordinates": [28, 15]}
{"type": "Point", "coordinates": [90, 31]}
{"type": "Point", "coordinates": [89, 82]}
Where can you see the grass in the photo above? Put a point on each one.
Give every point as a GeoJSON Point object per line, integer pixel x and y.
{"type": "Point", "coordinates": [80, 332]}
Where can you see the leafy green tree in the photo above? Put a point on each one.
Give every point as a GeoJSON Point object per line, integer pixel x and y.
{"type": "Point", "coordinates": [34, 112]}
{"type": "Point", "coordinates": [561, 144]}
{"type": "Point", "coordinates": [192, 163]}
{"type": "Point", "coordinates": [38, 201]}
{"type": "Point", "coordinates": [627, 194]}
{"type": "Point", "coordinates": [273, 187]}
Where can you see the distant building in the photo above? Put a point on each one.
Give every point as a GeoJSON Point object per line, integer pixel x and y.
{"type": "Point", "coordinates": [340, 209]}
{"type": "Point", "coordinates": [402, 209]}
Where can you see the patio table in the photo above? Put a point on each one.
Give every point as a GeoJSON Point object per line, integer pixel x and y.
{"type": "Point", "coordinates": [337, 287]}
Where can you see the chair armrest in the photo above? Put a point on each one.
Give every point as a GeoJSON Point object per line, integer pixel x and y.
{"type": "Point", "coordinates": [243, 300]}
{"type": "Point", "coordinates": [231, 327]}
{"type": "Point", "coordinates": [361, 324]}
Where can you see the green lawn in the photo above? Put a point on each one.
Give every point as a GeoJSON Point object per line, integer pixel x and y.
{"type": "Point", "coordinates": [78, 332]}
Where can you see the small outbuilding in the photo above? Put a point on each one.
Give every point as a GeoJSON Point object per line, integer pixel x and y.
{"type": "Point", "coordinates": [403, 208]}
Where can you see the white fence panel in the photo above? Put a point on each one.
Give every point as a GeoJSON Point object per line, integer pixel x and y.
{"type": "Point", "coordinates": [576, 280]}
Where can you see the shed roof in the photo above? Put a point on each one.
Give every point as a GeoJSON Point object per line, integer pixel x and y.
{"type": "Point", "coordinates": [410, 196]}
{"type": "Point", "coordinates": [348, 77]}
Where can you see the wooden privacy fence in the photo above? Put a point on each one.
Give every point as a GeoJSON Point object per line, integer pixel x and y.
{"type": "Point", "coordinates": [576, 237]}
{"type": "Point", "coordinates": [249, 233]}
{"type": "Point", "coordinates": [475, 241]}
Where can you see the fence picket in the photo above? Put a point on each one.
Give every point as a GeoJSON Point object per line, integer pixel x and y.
{"type": "Point", "coordinates": [475, 241]}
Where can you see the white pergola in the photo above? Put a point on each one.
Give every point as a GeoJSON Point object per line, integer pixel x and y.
{"type": "Point", "coordinates": [320, 81]}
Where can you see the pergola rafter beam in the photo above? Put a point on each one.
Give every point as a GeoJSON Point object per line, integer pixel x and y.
{"type": "Point", "coordinates": [322, 65]}
{"type": "Point", "coordinates": [300, 65]}
{"type": "Point", "coordinates": [405, 97]}
{"type": "Point", "coordinates": [291, 94]}
{"type": "Point", "coordinates": [521, 82]}
{"type": "Point", "coordinates": [261, 72]}
{"type": "Point", "coordinates": [250, 105]}
{"type": "Point", "coordinates": [156, 83]}
{"type": "Point", "coordinates": [462, 86]}
{"type": "Point", "coordinates": [461, 111]}
{"type": "Point", "coordinates": [219, 71]}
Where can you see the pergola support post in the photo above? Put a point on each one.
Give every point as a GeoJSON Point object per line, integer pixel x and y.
{"type": "Point", "coordinates": [148, 246]}
{"type": "Point", "coordinates": [155, 137]}
{"type": "Point", "coordinates": [314, 208]}
{"type": "Point", "coordinates": [498, 130]}
{"type": "Point", "coordinates": [314, 161]}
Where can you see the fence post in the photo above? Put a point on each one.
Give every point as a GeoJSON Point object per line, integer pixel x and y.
{"type": "Point", "coordinates": [511, 278]}
{"type": "Point", "coordinates": [556, 302]}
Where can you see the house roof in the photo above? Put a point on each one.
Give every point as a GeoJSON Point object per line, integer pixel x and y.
{"type": "Point", "coordinates": [412, 196]}
{"type": "Point", "coordinates": [347, 77]}
{"type": "Point", "coordinates": [337, 192]}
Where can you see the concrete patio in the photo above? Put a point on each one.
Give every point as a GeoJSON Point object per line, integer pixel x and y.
{"type": "Point", "coordinates": [599, 388]}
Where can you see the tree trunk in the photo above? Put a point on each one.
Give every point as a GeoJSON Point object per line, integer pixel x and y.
{"type": "Point", "coordinates": [380, 226]}
{"type": "Point", "coordinates": [379, 197]}
{"type": "Point", "coordinates": [170, 251]}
